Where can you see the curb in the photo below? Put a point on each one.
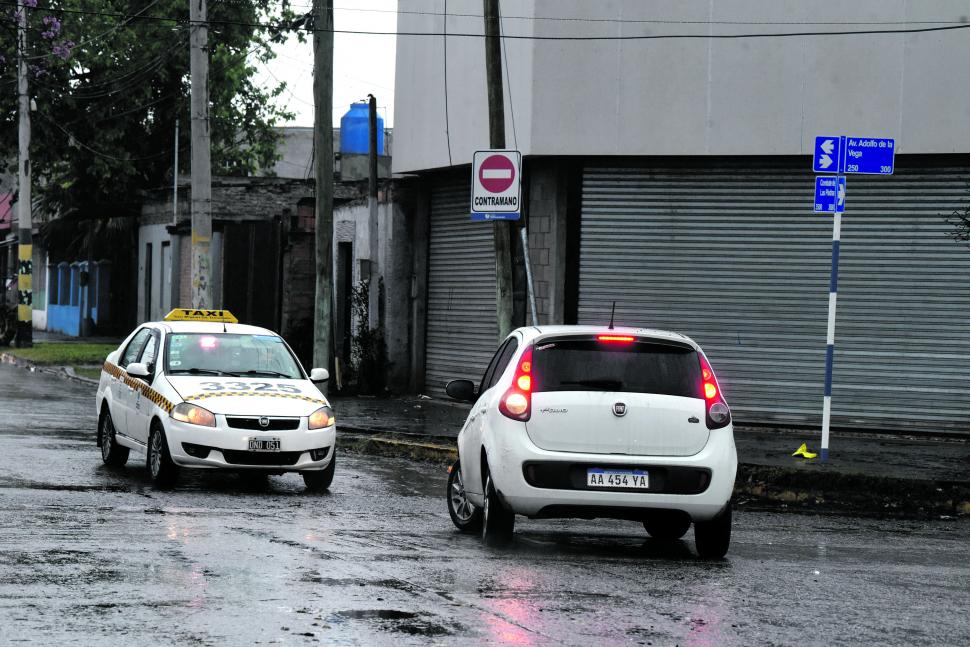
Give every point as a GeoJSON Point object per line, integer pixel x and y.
{"type": "Point", "coordinates": [756, 486]}
{"type": "Point", "coordinates": [61, 371]}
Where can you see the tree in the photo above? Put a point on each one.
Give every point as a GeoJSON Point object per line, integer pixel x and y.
{"type": "Point", "coordinates": [110, 77]}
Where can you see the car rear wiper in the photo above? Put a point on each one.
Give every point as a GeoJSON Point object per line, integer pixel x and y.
{"type": "Point", "coordinates": [198, 371]}
{"type": "Point", "coordinates": [606, 385]}
{"type": "Point", "coordinates": [272, 373]}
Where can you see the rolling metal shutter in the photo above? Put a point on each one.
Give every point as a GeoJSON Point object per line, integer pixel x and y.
{"type": "Point", "coordinates": [736, 259]}
{"type": "Point", "coordinates": [462, 331]}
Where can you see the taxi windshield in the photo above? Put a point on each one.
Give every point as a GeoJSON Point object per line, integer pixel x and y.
{"type": "Point", "coordinates": [229, 354]}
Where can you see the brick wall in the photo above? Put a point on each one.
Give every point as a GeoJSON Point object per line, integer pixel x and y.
{"type": "Point", "coordinates": [546, 239]}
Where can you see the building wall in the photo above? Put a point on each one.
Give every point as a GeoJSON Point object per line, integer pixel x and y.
{"type": "Point", "coordinates": [763, 96]}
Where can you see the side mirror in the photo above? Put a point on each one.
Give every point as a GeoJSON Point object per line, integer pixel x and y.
{"type": "Point", "coordinates": [319, 375]}
{"type": "Point", "coordinates": [462, 390]}
{"type": "Point", "coordinates": [137, 369]}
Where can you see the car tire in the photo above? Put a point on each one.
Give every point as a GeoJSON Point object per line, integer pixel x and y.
{"type": "Point", "coordinates": [498, 522]}
{"type": "Point", "coordinates": [320, 480]}
{"type": "Point", "coordinates": [667, 526]}
{"type": "Point", "coordinates": [162, 470]}
{"type": "Point", "coordinates": [713, 537]}
{"type": "Point", "coordinates": [113, 454]}
{"type": "Point", "coordinates": [466, 516]}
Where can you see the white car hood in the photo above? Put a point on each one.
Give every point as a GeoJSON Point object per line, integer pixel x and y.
{"type": "Point", "coordinates": [249, 396]}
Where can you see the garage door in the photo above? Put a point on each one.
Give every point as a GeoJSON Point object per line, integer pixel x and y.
{"type": "Point", "coordinates": [462, 332]}
{"type": "Point", "coordinates": [735, 258]}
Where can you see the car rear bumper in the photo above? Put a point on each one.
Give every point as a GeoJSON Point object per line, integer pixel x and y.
{"type": "Point", "coordinates": [540, 483]}
{"type": "Point", "coordinates": [228, 448]}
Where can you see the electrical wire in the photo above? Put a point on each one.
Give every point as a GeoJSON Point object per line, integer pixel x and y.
{"type": "Point", "coordinates": [444, 32]}
{"type": "Point", "coordinates": [508, 80]}
{"type": "Point", "coordinates": [791, 34]}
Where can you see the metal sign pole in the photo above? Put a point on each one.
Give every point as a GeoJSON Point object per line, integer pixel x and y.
{"type": "Point", "coordinates": [830, 335]}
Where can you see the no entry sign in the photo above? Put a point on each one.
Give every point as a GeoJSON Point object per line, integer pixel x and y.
{"type": "Point", "coordinates": [496, 185]}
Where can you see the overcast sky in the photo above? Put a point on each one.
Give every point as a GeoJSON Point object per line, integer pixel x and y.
{"type": "Point", "coordinates": [363, 64]}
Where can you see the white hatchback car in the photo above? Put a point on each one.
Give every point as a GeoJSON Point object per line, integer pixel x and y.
{"type": "Point", "coordinates": [590, 422]}
{"type": "Point", "coordinates": [199, 390]}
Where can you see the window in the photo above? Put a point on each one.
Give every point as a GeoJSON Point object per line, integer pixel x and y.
{"type": "Point", "coordinates": [226, 354]}
{"type": "Point", "coordinates": [135, 346]}
{"type": "Point", "coordinates": [150, 352]}
{"type": "Point", "coordinates": [636, 367]}
{"type": "Point", "coordinates": [497, 366]}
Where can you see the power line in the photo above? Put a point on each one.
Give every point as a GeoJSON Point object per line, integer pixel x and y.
{"type": "Point", "coordinates": [281, 27]}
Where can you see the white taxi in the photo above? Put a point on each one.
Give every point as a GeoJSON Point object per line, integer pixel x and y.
{"type": "Point", "coordinates": [200, 390]}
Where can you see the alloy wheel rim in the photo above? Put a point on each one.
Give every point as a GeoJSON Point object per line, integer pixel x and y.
{"type": "Point", "coordinates": [459, 502]}
{"type": "Point", "coordinates": [488, 486]}
{"type": "Point", "coordinates": [156, 454]}
{"type": "Point", "coordinates": [105, 438]}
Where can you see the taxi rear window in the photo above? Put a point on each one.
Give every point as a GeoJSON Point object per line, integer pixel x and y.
{"type": "Point", "coordinates": [229, 354]}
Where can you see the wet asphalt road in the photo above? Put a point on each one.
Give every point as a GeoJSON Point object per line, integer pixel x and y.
{"type": "Point", "coordinates": [94, 556]}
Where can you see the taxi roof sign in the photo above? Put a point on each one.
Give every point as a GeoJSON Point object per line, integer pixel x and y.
{"type": "Point", "coordinates": [189, 314]}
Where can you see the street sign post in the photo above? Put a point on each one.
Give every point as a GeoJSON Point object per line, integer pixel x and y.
{"type": "Point", "coordinates": [496, 185]}
{"type": "Point", "coordinates": [840, 154]}
{"type": "Point", "coordinates": [830, 194]}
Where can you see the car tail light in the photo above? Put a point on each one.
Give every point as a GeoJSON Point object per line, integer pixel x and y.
{"type": "Point", "coordinates": [718, 413]}
{"type": "Point", "coordinates": [615, 339]}
{"type": "Point", "coordinates": [517, 401]}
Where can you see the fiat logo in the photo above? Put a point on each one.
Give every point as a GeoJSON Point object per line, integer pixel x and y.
{"type": "Point", "coordinates": [264, 422]}
{"type": "Point", "coordinates": [619, 409]}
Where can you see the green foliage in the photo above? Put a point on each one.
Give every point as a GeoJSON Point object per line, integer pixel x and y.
{"type": "Point", "coordinates": [368, 351]}
{"type": "Point", "coordinates": [64, 353]}
{"type": "Point", "coordinates": [105, 120]}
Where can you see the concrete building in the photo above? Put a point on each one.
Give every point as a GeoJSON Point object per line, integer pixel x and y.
{"type": "Point", "coordinates": [673, 176]}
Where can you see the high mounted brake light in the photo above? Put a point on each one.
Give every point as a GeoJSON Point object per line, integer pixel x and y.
{"type": "Point", "coordinates": [615, 339]}
{"type": "Point", "coordinates": [718, 413]}
{"type": "Point", "coordinates": [516, 403]}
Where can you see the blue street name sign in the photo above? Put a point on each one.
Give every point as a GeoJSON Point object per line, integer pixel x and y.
{"type": "Point", "coordinates": [868, 155]}
{"type": "Point", "coordinates": [827, 150]}
{"type": "Point", "coordinates": [511, 215]}
{"type": "Point", "coordinates": [865, 155]}
{"type": "Point", "coordinates": [830, 194]}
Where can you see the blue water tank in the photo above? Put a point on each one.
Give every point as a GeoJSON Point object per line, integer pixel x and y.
{"type": "Point", "coordinates": [355, 133]}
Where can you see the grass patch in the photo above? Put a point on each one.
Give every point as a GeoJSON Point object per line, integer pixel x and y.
{"type": "Point", "coordinates": [63, 353]}
{"type": "Point", "coordinates": [92, 372]}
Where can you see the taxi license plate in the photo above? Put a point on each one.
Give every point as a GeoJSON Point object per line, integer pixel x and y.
{"type": "Point", "coordinates": [264, 444]}
{"type": "Point", "coordinates": [634, 479]}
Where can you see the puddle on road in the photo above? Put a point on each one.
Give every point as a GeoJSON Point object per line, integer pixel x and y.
{"type": "Point", "coordinates": [393, 620]}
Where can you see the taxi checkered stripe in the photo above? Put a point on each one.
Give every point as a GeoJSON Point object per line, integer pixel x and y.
{"type": "Point", "coordinates": [151, 394]}
{"type": "Point", "coordinates": [254, 394]}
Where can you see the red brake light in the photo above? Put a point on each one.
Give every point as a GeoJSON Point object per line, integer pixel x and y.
{"type": "Point", "coordinates": [718, 413]}
{"type": "Point", "coordinates": [516, 403]}
{"type": "Point", "coordinates": [615, 339]}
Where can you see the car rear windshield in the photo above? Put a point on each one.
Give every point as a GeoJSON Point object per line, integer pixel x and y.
{"type": "Point", "coordinates": [641, 366]}
{"type": "Point", "coordinates": [229, 354]}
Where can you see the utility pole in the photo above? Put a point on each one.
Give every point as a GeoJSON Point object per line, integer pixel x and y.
{"type": "Point", "coordinates": [25, 247]}
{"type": "Point", "coordinates": [496, 130]}
{"type": "Point", "coordinates": [323, 152]}
{"type": "Point", "coordinates": [374, 284]}
{"type": "Point", "coordinates": [201, 163]}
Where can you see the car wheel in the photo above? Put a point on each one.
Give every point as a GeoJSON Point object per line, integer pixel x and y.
{"type": "Point", "coordinates": [466, 516]}
{"type": "Point", "coordinates": [320, 480]}
{"type": "Point", "coordinates": [667, 526]}
{"type": "Point", "coordinates": [713, 537]}
{"type": "Point", "coordinates": [498, 522]}
{"type": "Point", "coordinates": [162, 470]}
{"type": "Point", "coordinates": [112, 453]}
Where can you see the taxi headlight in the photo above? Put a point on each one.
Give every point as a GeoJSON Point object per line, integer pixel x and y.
{"type": "Point", "coordinates": [194, 415]}
{"type": "Point", "coordinates": [321, 418]}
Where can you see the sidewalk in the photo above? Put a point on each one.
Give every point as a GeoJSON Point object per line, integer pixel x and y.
{"type": "Point", "coordinates": [865, 472]}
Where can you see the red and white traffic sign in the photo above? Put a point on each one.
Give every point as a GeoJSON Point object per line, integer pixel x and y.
{"type": "Point", "coordinates": [496, 185]}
